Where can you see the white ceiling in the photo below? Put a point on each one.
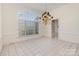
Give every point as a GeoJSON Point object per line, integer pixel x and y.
{"type": "Point", "coordinates": [41, 6]}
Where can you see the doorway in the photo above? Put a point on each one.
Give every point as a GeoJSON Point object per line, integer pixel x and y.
{"type": "Point", "coordinates": [55, 28]}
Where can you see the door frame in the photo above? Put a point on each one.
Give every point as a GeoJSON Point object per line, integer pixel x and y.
{"type": "Point", "coordinates": [57, 28]}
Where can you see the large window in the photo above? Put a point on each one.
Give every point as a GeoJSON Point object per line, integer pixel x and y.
{"type": "Point", "coordinates": [28, 24]}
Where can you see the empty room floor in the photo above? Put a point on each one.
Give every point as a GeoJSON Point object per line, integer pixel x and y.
{"type": "Point", "coordinates": [41, 47]}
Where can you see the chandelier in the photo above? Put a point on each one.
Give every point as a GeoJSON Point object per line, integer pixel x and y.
{"type": "Point", "coordinates": [45, 17]}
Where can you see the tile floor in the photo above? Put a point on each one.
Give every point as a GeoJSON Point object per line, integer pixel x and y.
{"type": "Point", "coordinates": [41, 47]}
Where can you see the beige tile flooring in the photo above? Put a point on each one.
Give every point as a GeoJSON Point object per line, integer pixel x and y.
{"type": "Point", "coordinates": [41, 47]}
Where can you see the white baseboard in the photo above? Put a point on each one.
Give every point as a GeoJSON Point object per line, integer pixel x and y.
{"type": "Point", "coordinates": [12, 39]}
{"type": "Point", "coordinates": [71, 37]}
{"type": "Point", "coordinates": [1, 45]}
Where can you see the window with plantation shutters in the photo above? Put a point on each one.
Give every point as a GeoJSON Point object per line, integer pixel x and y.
{"type": "Point", "coordinates": [27, 23]}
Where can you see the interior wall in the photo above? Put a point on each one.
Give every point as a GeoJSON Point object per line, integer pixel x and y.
{"type": "Point", "coordinates": [0, 27]}
{"type": "Point", "coordinates": [68, 17]}
{"type": "Point", "coordinates": [10, 23]}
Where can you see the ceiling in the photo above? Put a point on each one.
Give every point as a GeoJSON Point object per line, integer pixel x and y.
{"type": "Point", "coordinates": [41, 6]}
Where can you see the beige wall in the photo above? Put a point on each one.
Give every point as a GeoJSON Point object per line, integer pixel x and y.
{"type": "Point", "coordinates": [0, 28]}
{"type": "Point", "coordinates": [10, 23]}
{"type": "Point", "coordinates": [68, 17]}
